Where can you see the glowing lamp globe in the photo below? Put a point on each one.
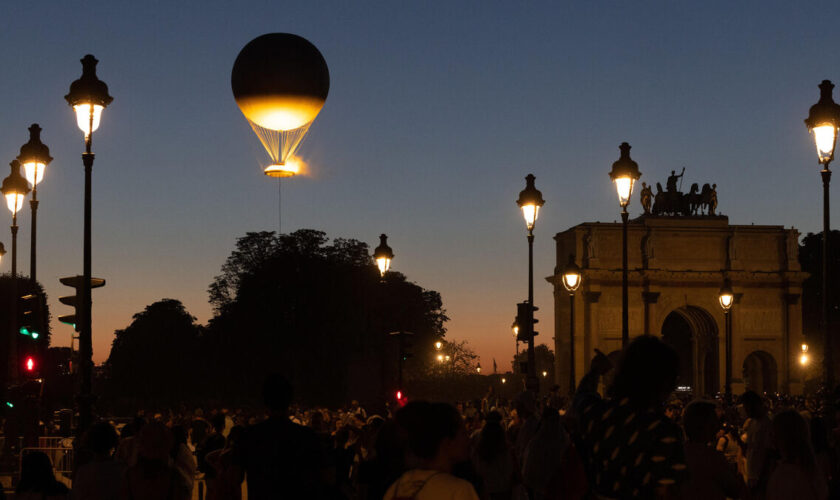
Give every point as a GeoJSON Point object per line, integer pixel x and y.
{"type": "Point", "coordinates": [15, 188]}
{"type": "Point", "coordinates": [624, 174]}
{"type": "Point", "coordinates": [88, 96]}
{"type": "Point", "coordinates": [571, 275]}
{"type": "Point", "coordinates": [34, 156]}
{"type": "Point", "coordinates": [726, 297]}
{"type": "Point", "coordinates": [530, 200]}
{"type": "Point", "coordinates": [823, 120]}
{"type": "Point", "coordinates": [383, 255]}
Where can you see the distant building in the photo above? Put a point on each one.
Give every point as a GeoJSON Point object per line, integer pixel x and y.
{"type": "Point", "coordinates": [677, 265]}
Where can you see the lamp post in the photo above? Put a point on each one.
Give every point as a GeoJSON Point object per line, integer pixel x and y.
{"type": "Point", "coordinates": [624, 173]}
{"type": "Point", "coordinates": [571, 281]}
{"type": "Point", "coordinates": [530, 200]}
{"type": "Point", "coordinates": [823, 120]}
{"type": "Point", "coordinates": [88, 96]}
{"type": "Point", "coordinates": [383, 255]}
{"type": "Point", "coordinates": [726, 299]}
{"type": "Point", "coordinates": [34, 156]}
{"type": "Point", "coordinates": [14, 189]}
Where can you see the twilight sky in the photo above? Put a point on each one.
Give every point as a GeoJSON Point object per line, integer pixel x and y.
{"type": "Point", "coordinates": [436, 113]}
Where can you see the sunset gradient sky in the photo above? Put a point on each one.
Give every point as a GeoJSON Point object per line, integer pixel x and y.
{"type": "Point", "coordinates": [436, 112]}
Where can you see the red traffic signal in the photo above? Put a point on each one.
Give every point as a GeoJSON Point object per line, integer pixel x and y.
{"type": "Point", "coordinates": [401, 399]}
{"type": "Point", "coordinates": [29, 364]}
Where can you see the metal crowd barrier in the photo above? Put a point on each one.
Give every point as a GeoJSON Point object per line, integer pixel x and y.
{"type": "Point", "coordinates": [61, 458]}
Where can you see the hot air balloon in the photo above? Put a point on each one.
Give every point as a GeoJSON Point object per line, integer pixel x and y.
{"type": "Point", "coordinates": [280, 82]}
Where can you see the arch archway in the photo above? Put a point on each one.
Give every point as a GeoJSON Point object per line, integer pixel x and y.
{"type": "Point", "coordinates": [760, 372]}
{"type": "Point", "coordinates": [693, 333]}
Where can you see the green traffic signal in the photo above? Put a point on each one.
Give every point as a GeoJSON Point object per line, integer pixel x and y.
{"type": "Point", "coordinates": [25, 331]}
{"type": "Point", "coordinates": [9, 404]}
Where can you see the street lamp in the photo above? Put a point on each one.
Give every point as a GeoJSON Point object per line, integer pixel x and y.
{"type": "Point", "coordinates": [14, 189]}
{"type": "Point", "coordinates": [478, 369]}
{"type": "Point", "coordinates": [530, 200]}
{"type": "Point", "coordinates": [438, 345]}
{"type": "Point", "coordinates": [34, 156]}
{"type": "Point", "coordinates": [515, 327]}
{"type": "Point", "coordinates": [624, 174]}
{"type": "Point", "coordinates": [571, 281]}
{"type": "Point", "coordinates": [727, 299]}
{"type": "Point", "coordinates": [803, 357]}
{"type": "Point", "coordinates": [88, 97]}
{"type": "Point", "coordinates": [823, 120]}
{"type": "Point", "coordinates": [383, 255]}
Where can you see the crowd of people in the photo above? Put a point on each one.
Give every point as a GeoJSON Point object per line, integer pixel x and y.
{"type": "Point", "coordinates": [639, 440]}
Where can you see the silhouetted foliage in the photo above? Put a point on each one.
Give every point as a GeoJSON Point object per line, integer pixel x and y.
{"type": "Point", "coordinates": [544, 359]}
{"type": "Point", "coordinates": [317, 310]}
{"type": "Point", "coordinates": [810, 258]}
{"type": "Point", "coordinates": [39, 346]}
{"type": "Point", "coordinates": [300, 304]}
{"type": "Point", "coordinates": [155, 358]}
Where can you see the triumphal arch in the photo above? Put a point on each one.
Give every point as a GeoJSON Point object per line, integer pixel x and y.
{"type": "Point", "coordinates": [680, 253]}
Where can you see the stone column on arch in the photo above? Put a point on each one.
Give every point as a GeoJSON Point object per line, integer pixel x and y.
{"type": "Point", "coordinates": [589, 320]}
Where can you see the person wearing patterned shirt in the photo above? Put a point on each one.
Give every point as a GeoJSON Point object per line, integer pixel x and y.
{"type": "Point", "coordinates": [630, 448]}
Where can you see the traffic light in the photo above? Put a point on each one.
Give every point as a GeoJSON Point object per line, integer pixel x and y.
{"type": "Point", "coordinates": [401, 399]}
{"type": "Point", "coordinates": [75, 300]}
{"type": "Point", "coordinates": [522, 321]}
{"type": "Point", "coordinates": [32, 311]}
{"type": "Point", "coordinates": [405, 348]}
{"type": "Point", "coordinates": [525, 321]}
{"type": "Point", "coordinates": [31, 366]}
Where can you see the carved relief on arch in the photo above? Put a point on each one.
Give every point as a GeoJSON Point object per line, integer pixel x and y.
{"type": "Point", "coordinates": [647, 249]}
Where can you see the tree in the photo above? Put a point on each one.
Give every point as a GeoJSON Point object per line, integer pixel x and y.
{"type": "Point", "coordinates": [318, 311]}
{"type": "Point", "coordinates": [544, 358]}
{"type": "Point", "coordinates": [459, 359]}
{"type": "Point", "coordinates": [155, 358]}
{"type": "Point", "coordinates": [810, 258]}
{"type": "Point", "coordinates": [38, 346]}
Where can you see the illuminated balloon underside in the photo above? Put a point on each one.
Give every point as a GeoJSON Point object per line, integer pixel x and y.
{"type": "Point", "coordinates": [280, 82]}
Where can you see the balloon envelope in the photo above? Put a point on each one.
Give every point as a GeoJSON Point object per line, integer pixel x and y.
{"type": "Point", "coordinates": [280, 81]}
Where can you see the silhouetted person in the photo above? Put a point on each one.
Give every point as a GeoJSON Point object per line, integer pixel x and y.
{"type": "Point", "coordinates": [758, 442]}
{"type": "Point", "coordinates": [543, 456]}
{"type": "Point", "coordinates": [100, 478]}
{"type": "Point", "coordinates": [387, 464]}
{"type": "Point", "coordinates": [280, 459]}
{"type": "Point", "coordinates": [127, 448]}
{"type": "Point", "coordinates": [182, 458]}
{"type": "Point", "coordinates": [797, 474]}
{"type": "Point", "coordinates": [437, 441]}
{"type": "Point", "coordinates": [630, 448]}
{"type": "Point", "coordinates": [152, 478]}
{"type": "Point", "coordinates": [710, 475]}
{"type": "Point", "coordinates": [214, 441]}
{"type": "Point", "coordinates": [37, 479]}
{"type": "Point", "coordinates": [494, 462]}
{"type": "Point", "coordinates": [228, 477]}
